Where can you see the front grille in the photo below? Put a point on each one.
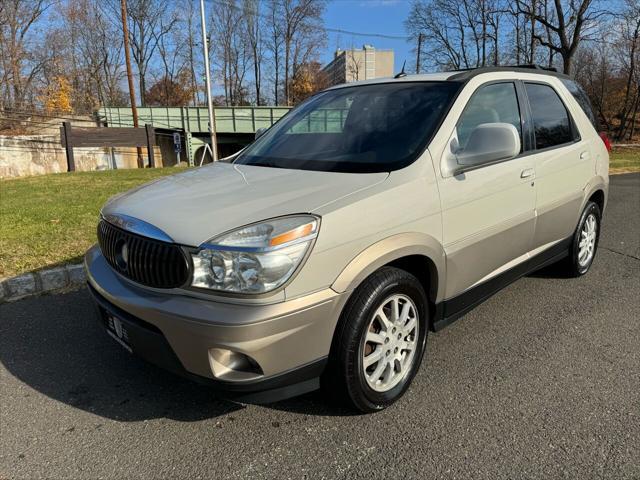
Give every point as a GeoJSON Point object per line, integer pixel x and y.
{"type": "Point", "coordinates": [149, 262]}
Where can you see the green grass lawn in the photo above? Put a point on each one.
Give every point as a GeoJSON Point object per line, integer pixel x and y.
{"type": "Point", "coordinates": [51, 219]}
{"type": "Point", "coordinates": [624, 160]}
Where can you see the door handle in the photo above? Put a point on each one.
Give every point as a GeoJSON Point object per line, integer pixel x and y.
{"type": "Point", "coordinates": [584, 155]}
{"type": "Point", "coordinates": [527, 172]}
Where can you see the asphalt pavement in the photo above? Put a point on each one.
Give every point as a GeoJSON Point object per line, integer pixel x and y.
{"type": "Point", "coordinates": [541, 381]}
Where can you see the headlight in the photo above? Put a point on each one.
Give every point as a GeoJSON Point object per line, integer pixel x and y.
{"type": "Point", "coordinates": [257, 258]}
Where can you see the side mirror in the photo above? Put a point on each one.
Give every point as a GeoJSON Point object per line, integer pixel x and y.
{"type": "Point", "coordinates": [259, 132]}
{"type": "Point", "coordinates": [489, 142]}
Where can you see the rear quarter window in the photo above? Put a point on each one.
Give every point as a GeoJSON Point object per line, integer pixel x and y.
{"type": "Point", "coordinates": [583, 100]}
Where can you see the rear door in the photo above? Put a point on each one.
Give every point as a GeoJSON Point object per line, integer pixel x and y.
{"type": "Point", "coordinates": [488, 212]}
{"type": "Point", "coordinates": [563, 163]}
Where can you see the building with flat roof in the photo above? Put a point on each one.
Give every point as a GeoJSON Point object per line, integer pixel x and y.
{"type": "Point", "coordinates": [359, 64]}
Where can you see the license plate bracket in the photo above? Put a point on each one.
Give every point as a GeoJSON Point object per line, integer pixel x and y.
{"type": "Point", "coordinates": [117, 330]}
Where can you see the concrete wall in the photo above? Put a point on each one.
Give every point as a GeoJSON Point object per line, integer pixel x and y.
{"type": "Point", "coordinates": [41, 154]}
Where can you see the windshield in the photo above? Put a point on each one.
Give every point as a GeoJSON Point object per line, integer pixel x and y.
{"type": "Point", "coordinates": [367, 128]}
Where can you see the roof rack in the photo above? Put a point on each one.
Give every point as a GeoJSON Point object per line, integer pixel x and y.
{"type": "Point", "coordinates": [536, 67]}
{"type": "Point", "coordinates": [464, 74]}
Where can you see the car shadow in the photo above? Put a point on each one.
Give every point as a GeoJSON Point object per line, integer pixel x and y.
{"type": "Point", "coordinates": [55, 345]}
{"type": "Point", "coordinates": [555, 270]}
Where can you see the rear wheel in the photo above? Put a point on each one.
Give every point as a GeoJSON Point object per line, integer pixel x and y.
{"type": "Point", "coordinates": [379, 342]}
{"type": "Point", "coordinates": [585, 241]}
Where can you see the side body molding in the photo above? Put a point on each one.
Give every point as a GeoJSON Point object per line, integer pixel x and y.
{"type": "Point", "coordinates": [390, 249]}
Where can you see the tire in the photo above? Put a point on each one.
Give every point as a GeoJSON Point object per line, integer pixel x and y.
{"type": "Point", "coordinates": [399, 345]}
{"type": "Point", "coordinates": [576, 265]}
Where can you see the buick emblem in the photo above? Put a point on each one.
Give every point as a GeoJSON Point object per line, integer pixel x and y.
{"type": "Point", "coordinates": [122, 254]}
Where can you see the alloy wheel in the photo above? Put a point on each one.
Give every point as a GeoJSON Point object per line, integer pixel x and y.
{"type": "Point", "coordinates": [390, 343]}
{"type": "Point", "coordinates": [586, 247]}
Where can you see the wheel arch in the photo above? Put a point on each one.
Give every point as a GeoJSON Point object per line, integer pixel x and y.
{"type": "Point", "coordinates": [596, 191]}
{"type": "Point", "coordinates": [417, 253]}
{"type": "Point", "coordinates": [598, 198]}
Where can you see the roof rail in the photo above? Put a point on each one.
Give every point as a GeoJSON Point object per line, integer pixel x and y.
{"type": "Point", "coordinates": [536, 67]}
{"type": "Point", "coordinates": [464, 74]}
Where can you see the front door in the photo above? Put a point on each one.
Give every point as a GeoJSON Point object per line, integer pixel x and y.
{"type": "Point", "coordinates": [488, 213]}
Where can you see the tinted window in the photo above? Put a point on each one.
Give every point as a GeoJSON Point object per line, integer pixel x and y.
{"type": "Point", "coordinates": [583, 100]}
{"type": "Point", "coordinates": [550, 118]}
{"type": "Point", "coordinates": [370, 128]}
{"type": "Point", "coordinates": [495, 103]}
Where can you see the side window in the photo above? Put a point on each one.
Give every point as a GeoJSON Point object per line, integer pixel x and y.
{"type": "Point", "coordinates": [495, 103]}
{"type": "Point", "coordinates": [583, 100]}
{"type": "Point", "coordinates": [550, 117]}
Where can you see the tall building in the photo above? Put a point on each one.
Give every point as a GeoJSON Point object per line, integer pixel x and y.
{"type": "Point", "coordinates": [359, 64]}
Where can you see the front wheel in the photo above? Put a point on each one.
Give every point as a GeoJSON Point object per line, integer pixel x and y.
{"type": "Point", "coordinates": [379, 342]}
{"type": "Point", "coordinates": [585, 241]}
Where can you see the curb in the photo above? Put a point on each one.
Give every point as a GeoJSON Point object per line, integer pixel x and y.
{"type": "Point", "coordinates": [43, 281]}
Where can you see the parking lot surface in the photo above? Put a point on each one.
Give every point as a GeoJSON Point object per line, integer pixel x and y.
{"type": "Point", "coordinates": [541, 381]}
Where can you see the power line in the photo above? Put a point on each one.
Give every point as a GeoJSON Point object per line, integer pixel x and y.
{"type": "Point", "coordinates": [328, 29]}
{"type": "Point", "coordinates": [363, 34]}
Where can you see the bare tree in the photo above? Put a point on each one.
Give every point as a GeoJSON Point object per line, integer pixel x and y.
{"type": "Point", "coordinates": [95, 48]}
{"type": "Point", "coordinates": [20, 66]}
{"type": "Point", "coordinates": [567, 26]}
{"type": "Point", "coordinates": [254, 28]}
{"type": "Point", "coordinates": [628, 50]}
{"type": "Point", "coordinates": [354, 64]}
{"type": "Point", "coordinates": [522, 36]}
{"type": "Point", "coordinates": [594, 68]}
{"type": "Point", "coordinates": [4, 72]}
{"type": "Point", "coordinates": [173, 60]}
{"type": "Point", "coordinates": [190, 34]}
{"type": "Point", "coordinates": [302, 35]}
{"type": "Point", "coordinates": [478, 27]}
{"type": "Point", "coordinates": [274, 44]}
{"type": "Point", "coordinates": [231, 51]}
{"type": "Point", "coordinates": [440, 33]}
{"type": "Point", "coordinates": [460, 34]}
{"type": "Point", "coordinates": [149, 22]}
{"type": "Point", "coordinates": [492, 20]}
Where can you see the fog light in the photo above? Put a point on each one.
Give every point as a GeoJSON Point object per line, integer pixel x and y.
{"type": "Point", "coordinates": [233, 366]}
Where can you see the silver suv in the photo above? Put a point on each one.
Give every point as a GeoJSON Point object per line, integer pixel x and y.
{"type": "Point", "coordinates": [323, 253]}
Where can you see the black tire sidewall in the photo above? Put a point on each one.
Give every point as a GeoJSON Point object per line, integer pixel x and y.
{"type": "Point", "coordinates": [577, 269]}
{"type": "Point", "coordinates": [379, 289]}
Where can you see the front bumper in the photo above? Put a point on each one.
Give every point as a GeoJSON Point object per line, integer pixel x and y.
{"type": "Point", "coordinates": [289, 340]}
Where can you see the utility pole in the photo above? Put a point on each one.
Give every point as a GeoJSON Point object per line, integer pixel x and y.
{"type": "Point", "coordinates": [127, 57]}
{"type": "Point", "coordinates": [205, 48]}
{"type": "Point", "coordinates": [418, 53]}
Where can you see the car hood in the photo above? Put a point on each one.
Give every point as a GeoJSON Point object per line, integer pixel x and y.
{"type": "Point", "coordinates": [196, 205]}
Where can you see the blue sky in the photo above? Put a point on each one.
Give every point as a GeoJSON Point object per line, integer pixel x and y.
{"type": "Point", "coordinates": [384, 17]}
